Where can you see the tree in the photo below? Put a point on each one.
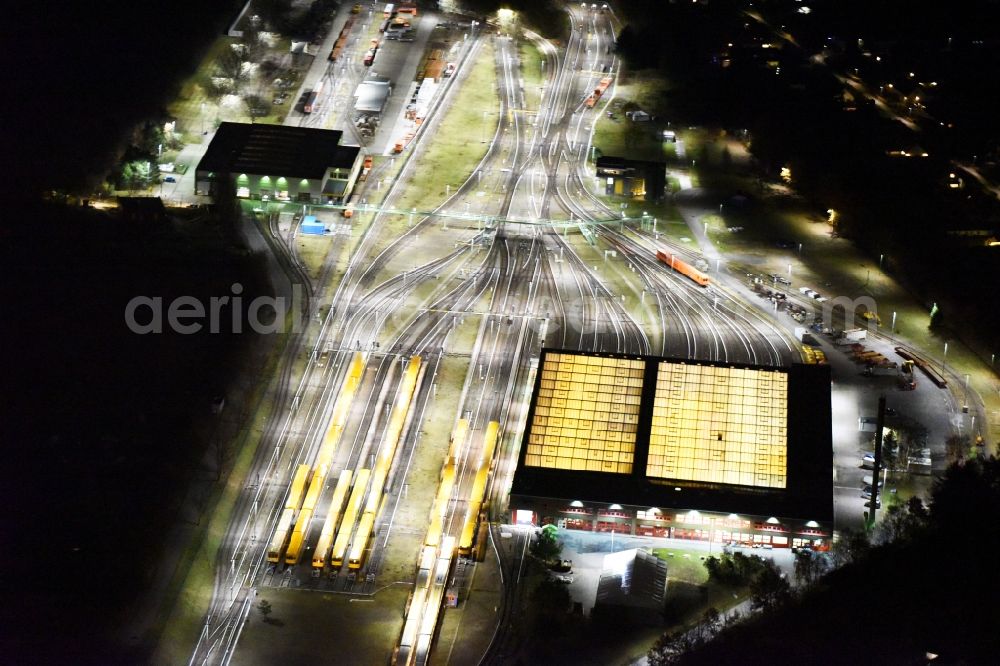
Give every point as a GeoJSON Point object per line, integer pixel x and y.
{"type": "Point", "coordinates": [809, 566]}
{"type": "Point", "coordinates": [230, 65]}
{"type": "Point", "coordinates": [138, 174]}
{"type": "Point", "coordinates": [256, 106]}
{"type": "Point", "coordinates": [670, 648]}
{"type": "Point", "coordinates": [551, 597]}
{"type": "Point", "coordinates": [957, 447]}
{"type": "Point", "coordinates": [902, 521]}
{"type": "Point", "coordinates": [850, 547]}
{"type": "Point", "coordinates": [890, 452]}
{"type": "Point", "coordinates": [546, 547]}
{"type": "Point", "coordinates": [769, 587]}
{"type": "Point", "coordinates": [265, 608]}
{"type": "Point", "coordinates": [708, 624]}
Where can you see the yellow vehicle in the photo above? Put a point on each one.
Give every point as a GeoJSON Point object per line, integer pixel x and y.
{"type": "Point", "coordinates": [315, 488]}
{"type": "Point", "coordinates": [437, 520]}
{"type": "Point", "coordinates": [340, 411]}
{"type": "Point", "coordinates": [350, 516]}
{"type": "Point", "coordinates": [332, 516]}
{"type": "Point", "coordinates": [298, 485]}
{"type": "Point", "coordinates": [356, 9]}
{"type": "Point", "coordinates": [294, 551]}
{"type": "Point", "coordinates": [360, 545]}
{"type": "Point", "coordinates": [277, 546]}
{"type": "Point", "coordinates": [469, 529]}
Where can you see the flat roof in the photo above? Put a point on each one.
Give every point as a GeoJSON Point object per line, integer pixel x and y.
{"type": "Point", "coordinates": [372, 94]}
{"type": "Point", "coordinates": [712, 436]}
{"type": "Point", "coordinates": [276, 150]}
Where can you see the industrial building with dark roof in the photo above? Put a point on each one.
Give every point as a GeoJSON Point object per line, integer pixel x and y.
{"type": "Point", "coordinates": [641, 179]}
{"type": "Point", "coordinates": [677, 448]}
{"type": "Point", "coordinates": [280, 163]}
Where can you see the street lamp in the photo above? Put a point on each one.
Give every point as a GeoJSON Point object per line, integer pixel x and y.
{"type": "Point", "coordinates": [880, 258]}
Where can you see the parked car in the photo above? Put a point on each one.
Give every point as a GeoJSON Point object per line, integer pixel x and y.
{"type": "Point", "coordinates": [780, 278]}
{"type": "Point", "coordinates": [868, 458]}
{"type": "Point", "coordinates": [169, 179]}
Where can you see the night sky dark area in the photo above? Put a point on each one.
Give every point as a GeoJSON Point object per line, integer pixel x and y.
{"type": "Point", "coordinates": [99, 426]}
{"type": "Point", "coordinates": [82, 74]}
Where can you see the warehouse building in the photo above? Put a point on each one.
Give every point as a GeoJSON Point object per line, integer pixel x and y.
{"type": "Point", "coordinates": [279, 163]}
{"type": "Point", "coordinates": [371, 96]}
{"type": "Point", "coordinates": [720, 452]}
{"type": "Point", "coordinates": [640, 179]}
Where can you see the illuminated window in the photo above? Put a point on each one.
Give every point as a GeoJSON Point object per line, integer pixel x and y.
{"type": "Point", "coordinates": [242, 192]}
{"type": "Point", "coordinates": [720, 425]}
{"type": "Point", "coordinates": [586, 414]}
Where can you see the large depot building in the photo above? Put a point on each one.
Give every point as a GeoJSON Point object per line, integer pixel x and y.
{"type": "Point", "coordinates": [279, 163]}
{"type": "Point", "coordinates": [677, 448]}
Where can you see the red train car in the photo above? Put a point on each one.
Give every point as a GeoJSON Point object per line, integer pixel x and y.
{"type": "Point", "coordinates": [682, 267]}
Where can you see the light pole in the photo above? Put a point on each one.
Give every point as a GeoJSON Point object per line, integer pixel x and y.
{"type": "Point", "coordinates": [893, 321]}
{"type": "Point", "coordinates": [880, 258]}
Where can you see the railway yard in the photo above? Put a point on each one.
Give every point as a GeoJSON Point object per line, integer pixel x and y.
{"type": "Point", "coordinates": [384, 482]}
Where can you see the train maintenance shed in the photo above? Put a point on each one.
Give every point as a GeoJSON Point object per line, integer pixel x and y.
{"type": "Point", "coordinates": [676, 448]}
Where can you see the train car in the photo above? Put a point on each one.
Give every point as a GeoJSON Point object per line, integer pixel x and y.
{"type": "Point", "coordinates": [294, 500]}
{"type": "Point", "coordinates": [602, 86]}
{"type": "Point", "coordinates": [360, 544]}
{"type": "Point", "coordinates": [295, 544]}
{"type": "Point", "coordinates": [332, 516]}
{"type": "Point", "coordinates": [341, 408]}
{"type": "Point", "coordinates": [447, 480]}
{"type": "Point", "coordinates": [350, 516]}
{"type": "Point", "coordinates": [407, 8]}
{"type": "Point", "coordinates": [433, 538]}
{"type": "Point", "coordinates": [338, 49]}
{"type": "Point", "coordinates": [315, 488]}
{"type": "Point", "coordinates": [277, 546]}
{"type": "Point", "coordinates": [312, 99]}
{"type": "Point", "coordinates": [348, 210]}
{"type": "Point", "coordinates": [684, 268]}
{"type": "Point", "coordinates": [469, 529]}
{"type": "Point", "coordinates": [432, 608]}
{"type": "Point", "coordinates": [479, 552]}
{"type": "Point", "coordinates": [490, 443]}
{"type": "Point", "coordinates": [371, 53]}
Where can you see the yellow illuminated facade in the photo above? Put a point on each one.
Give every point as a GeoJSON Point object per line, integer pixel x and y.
{"type": "Point", "coordinates": [719, 425]}
{"type": "Point", "coordinates": [586, 414]}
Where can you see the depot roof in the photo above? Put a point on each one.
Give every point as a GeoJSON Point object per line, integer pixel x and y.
{"type": "Point", "coordinates": [276, 150]}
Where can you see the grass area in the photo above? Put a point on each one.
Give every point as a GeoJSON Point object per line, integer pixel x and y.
{"type": "Point", "coordinates": [620, 136]}
{"type": "Point", "coordinates": [457, 144]}
{"type": "Point", "coordinates": [531, 72]}
{"type": "Point", "coordinates": [684, 564]}
{"type": "Point", "coordinates": [197, 109]}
